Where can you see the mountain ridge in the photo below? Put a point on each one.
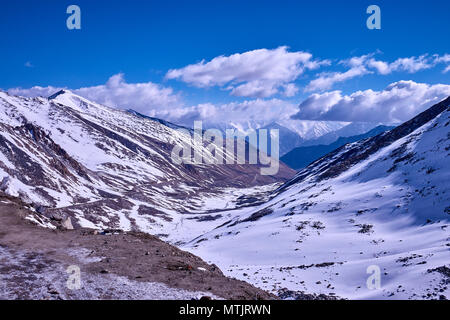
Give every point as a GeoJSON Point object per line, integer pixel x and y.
{"type": "Point", "coordinates": [114, 169]}
{"type": "Point", "coordinates": [300, 157]}
{"type": "Point", "coordinates": [343, 159]}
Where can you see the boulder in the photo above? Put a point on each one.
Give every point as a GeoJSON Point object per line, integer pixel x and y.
{"type": "Point", "coordinates": [67, 224]}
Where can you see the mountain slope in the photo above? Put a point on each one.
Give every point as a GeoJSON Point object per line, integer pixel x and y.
{"type": "Point", "coordinates": [300, 157]}
{"type": "Point", "coordinates": [107, 168]}
{"type": "Point", "coordinates": [382, 203]}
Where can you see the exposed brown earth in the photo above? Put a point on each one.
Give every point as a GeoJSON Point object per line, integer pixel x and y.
{"type": "Point", "coordinates": [113, 265]}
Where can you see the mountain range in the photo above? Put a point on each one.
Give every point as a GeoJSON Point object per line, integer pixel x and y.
{"type": "Point", "coordinates": [295, 133]}
{"type": "Point", "coordinates": [377, 205]}
{"type": "Point", "coordinates": [300, 157]}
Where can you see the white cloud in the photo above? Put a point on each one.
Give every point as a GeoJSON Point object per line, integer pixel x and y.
{"type": "Point", "coordinates": [35, 91]}
{"type": "Point", "coordinates": [399, 102]}
{"type": "Point", "coordinates": [366, 64]}
{"type": "Point", "coordinates": [381, 67]}
{"type": "Point", "coordinates": [412, 64]}
{"type": "Point", "coordinates": [290, 90]}
{"type": "Point", "coordinates": [258, 89]}
{"type": "Point", "coordinates": [264, 73]}
{"type": "Point", "coordinates": [257, 73]}
{"type": "Point", "coordinates": [28, 64]}
{"type": "Point", "coordinates": [138, 96]}
{"type": "Point", "coordinates": [258, 110]}
{"type": "Point", "coordinates": [443, 59]}
{"type": "Point", "coordinates": [327, 80]}
{"type": "Point", "coordinates": [156, 101]}
{"type": "Point", "coordinates": [117, 93]}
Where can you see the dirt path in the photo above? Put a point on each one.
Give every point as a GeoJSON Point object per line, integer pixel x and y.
{"type": "Point", "coordinates": [116, 265]}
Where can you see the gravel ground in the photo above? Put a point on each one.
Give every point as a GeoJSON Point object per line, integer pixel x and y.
{"type": "Point", "coordinates": [39, 263]}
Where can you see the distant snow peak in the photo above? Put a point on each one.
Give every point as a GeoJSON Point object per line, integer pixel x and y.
{"type": "Point", "coordinates": [231, 149]}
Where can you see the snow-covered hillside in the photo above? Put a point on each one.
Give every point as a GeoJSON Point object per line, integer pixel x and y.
{"type": "Point", "coordinates": [383, 202]}
{"type": "Point", "coordinates": [108, 168]}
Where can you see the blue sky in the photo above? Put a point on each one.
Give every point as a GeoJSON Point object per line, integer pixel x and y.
{"type": "Point", "coordinates": [144, 40]}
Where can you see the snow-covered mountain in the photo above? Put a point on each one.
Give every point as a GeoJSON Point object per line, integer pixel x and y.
{"type": "Point", "coordinates": [305, 129]}
{"type": "Point", "coordinates": [379, 204]}
{"type": "Point", "coordinates": [349, 130]}
{"type": "Point", "coordinates": [300, 157]}
{"type": "Point", "coordinates": [292, 133]}
{"type": "Point", "coordinates": [108, 168]}
{"type": "Point", "coordinates": [301, 133]}
{"type": "Point", "coordinates": [311, 129]}
{"type": "Point", "coordinates": [382, 202]}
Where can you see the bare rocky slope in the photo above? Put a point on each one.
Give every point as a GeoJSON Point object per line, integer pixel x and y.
{"type": "Point", "coordinates": [34, 264]}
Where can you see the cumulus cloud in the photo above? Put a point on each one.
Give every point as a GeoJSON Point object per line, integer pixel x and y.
{"type": "Point", "coordinates": [258, 73]}
{"type": "Point", "coordinates": [260, 89]}
{"type": "Point", "coordinates": [290, 90]}
{"type": "Point", "coordinates": [410, 65]}
{"type": "Point", "coordinates": [326, 80]}
{"type": "Point", "coordinates": [443, 59]}
{"type": "Point", "coordinates": [157, 101]}
{"type": "Point", "coordinates": [35, 91]}
{"type": "Point", "coordinates": [138, 96]}
{"type": "Point", "coordinates": [399, 102]}
{"type": "Point", "coordinates": [263, 73]}
{"type": "Point", "coordinates": [258, 110]}
{"type": "Point", "coordinates": [381, 67]}
{"type": "Point", "coordinates": [117, 93]}
{"type": "Point", "coordinates": [367, 64]}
